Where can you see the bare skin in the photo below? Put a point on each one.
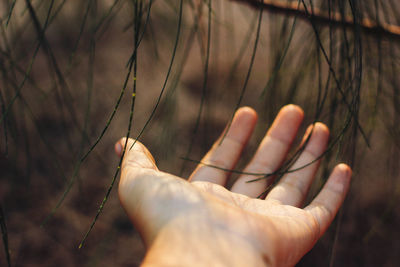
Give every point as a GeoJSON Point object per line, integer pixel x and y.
{"type": "Point", "coordinates": [201, 223]}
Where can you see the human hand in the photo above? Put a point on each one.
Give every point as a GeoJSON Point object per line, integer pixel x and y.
{"type": "Point", "coordinates": [200, 222]}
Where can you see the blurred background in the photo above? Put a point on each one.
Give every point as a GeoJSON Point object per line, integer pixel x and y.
{"type": "Point", "coordinates": [75, 76]}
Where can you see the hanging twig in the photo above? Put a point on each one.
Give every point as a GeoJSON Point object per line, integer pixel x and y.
{"type": "Point", "coordinates": [321, 17]}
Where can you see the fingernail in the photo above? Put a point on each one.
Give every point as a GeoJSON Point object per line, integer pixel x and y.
{"type": "Point", "coordinates": [118, 149]}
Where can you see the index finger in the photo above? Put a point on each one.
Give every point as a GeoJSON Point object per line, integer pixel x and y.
{"type": "Point", "coordinates": [226, 154]}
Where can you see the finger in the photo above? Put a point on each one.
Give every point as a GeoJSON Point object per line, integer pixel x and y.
{"type": "Point", "coordinates": [140, 186]}
{"type": "Point", "coordinates": [293, 187]}
{"type": "Point", "coordinates": [325, 206]}
{"type": "Point", "coordinates": [136, 154]}
{"type": "Point", "coordinates": [226, 154]}
{"type": "Point", "coordinates": [137, 163]}
{"type": "Point", "coordinates": [271, 152]}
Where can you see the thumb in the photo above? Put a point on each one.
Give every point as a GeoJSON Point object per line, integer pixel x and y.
{"type": "Point", "coordinates": [139, 186]}
{"type": "Point", "coordinates": [137, 166]}
{"type": "Point", "coordinates": [136, 154]}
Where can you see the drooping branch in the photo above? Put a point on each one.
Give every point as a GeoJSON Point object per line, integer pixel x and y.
{"type": "Point", "coordinates": [321, 17]}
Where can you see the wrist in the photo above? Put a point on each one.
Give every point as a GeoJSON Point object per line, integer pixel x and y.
{"type": "Point", "coordinates": [182, 243]}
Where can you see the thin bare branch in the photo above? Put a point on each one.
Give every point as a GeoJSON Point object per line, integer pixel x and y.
{"type": "Point", "coordinates": [321, 17]}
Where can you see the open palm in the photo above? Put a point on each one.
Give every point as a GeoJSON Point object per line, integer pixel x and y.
{"type": "Point", "coordinates": [234, 227]}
